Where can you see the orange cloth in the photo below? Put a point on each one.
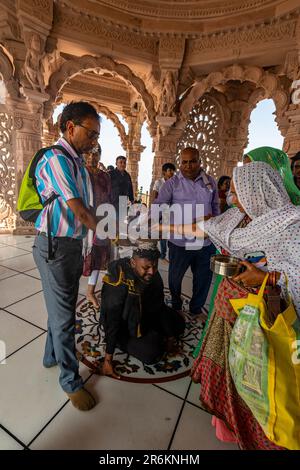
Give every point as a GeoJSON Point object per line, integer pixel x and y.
{"type": "Point", "coordinates": [222, 431]}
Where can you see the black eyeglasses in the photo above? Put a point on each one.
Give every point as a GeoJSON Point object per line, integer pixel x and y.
{"type": "Point", "coordinates": [93, 135]}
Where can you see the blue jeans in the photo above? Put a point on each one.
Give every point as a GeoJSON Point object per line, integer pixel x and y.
{"type": "Point", "coordinates": [199, 262]}
{"type": "Point", "coordinates": [60, 280]}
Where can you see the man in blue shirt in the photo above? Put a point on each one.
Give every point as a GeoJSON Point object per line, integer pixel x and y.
{"type": "Point", "coordinates": [70, 218]}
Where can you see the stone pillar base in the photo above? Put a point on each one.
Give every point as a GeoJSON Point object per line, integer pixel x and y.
{"type": "Point", "coordinates": [24, 231]}
{"type": "Point", "coordinates": [23, 228]}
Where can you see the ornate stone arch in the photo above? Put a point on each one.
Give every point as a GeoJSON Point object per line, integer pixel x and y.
{"type": "Point", "coordinates": [116, 121]}
{"type": "Point", "coordinates": [268, 83]}
{"type": "Point", "coordinates": [73, 67]}
{"type": "Point", "coordinates": [203, 130]}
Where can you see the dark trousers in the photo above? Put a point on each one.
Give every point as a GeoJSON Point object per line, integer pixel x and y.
{"type": "Point", "coordinates": [163, 248]}
{"type": "Point", "coordinates": [60, 281]}
{"type": "Point", "coordinates": [199, 262]}
{"type": "Point", "coordinates": [150, 347]}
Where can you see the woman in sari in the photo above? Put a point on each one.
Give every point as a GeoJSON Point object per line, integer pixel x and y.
{"type": "Point", "coordinates": [97, 252]}
{"type": "Point", "coordinates": [263, 221]}
{"type": "Point", "coordinates": [279, 161]}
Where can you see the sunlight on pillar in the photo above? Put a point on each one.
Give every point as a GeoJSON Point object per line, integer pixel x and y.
{"type": "Point", "coordinates": [2, 92]}
{"type": "Point", "coordinates": [146, 161]}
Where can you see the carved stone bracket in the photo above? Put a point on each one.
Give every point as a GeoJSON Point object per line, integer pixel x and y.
{"type": "Point", "coordinates": [165, 123]}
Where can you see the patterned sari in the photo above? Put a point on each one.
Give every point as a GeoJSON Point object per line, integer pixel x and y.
{"type": "Point", "coordinates": [211, 368]}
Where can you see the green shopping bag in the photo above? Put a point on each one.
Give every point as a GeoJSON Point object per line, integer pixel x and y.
{"type": "Point", "coordinates": [263, 367]}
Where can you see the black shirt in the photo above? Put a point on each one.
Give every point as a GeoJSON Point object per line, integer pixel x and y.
{"type": "Point", "coordinates": [128, 304]}
{"type": "Point", "coordinates": [121, 185]}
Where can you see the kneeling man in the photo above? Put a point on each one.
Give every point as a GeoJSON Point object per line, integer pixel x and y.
{"type": "Point", "coordinates": [135, 316]}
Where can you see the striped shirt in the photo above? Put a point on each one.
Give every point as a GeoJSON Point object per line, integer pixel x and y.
{"type": "Point", "coordinates": [55, 173]}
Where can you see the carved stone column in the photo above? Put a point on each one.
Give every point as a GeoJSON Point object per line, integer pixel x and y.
{"type": "Point", "coordinates": [133, 158]}
{"type": "Point", "coordinates": [7, 173]}
{"type": "Point", "coordinates": [291, 143]}
{"type": "Point", "coordinates": [26, 139]}
{"type": "Point", "coordinates": [134, 147]}
{"type": "Point", "coordinates": [289, 120]}
{"type": "Point", "coordinates": [165, 151]}
{"type": "Point", "coordinates": [233, 151]}
{"type": "Point", "coordinates": [235, 132]}
{"type": "Point", "coordinates": [50, 133]}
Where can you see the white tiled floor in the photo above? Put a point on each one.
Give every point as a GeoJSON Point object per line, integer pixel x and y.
{"type": "Point", "coordinates": [35, 413]}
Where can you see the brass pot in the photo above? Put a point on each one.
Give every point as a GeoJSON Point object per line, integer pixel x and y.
{"type": "Point", "coordinates": [225, 265]}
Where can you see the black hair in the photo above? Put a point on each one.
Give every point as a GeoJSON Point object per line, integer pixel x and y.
{"type": "Point", "coordinates": [121, 157]}
{"type": "Point", "coordinates": [110, 167]}
{"type": "Point", "coordinates": [222, 180]}
{"type": "Point", "coordinates": [151, 255]}
{"type": "Point", "coordinates": [168, 166]}
{"type": "Point", "coordinates": [294, 159]}
{"type": "Point", "coordinates": [77, 112]}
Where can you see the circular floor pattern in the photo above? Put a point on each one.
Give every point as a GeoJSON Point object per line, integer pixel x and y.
{"type": "Point", "coordinates": [90, 346]}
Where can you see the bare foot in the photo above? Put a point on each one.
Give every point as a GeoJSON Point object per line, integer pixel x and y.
{"type": "Point", "coordinates": [93, 299]}
{"type": "Point", "coordinates": [108, 370]}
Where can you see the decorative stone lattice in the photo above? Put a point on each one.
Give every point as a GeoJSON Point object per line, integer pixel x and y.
{"type": "Point", "coordinates": [202, 131]}
{"type": "Point", "coordinates": [7, 173]}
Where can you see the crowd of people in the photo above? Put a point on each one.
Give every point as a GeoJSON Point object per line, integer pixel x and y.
{"type": "Point", "coordinates": [251, 215]}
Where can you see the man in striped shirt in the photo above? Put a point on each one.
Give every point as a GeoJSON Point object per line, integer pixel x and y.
{"type": "Point", "coordinates": [70, 218]}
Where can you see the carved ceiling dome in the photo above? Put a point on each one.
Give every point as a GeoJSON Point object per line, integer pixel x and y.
{"type": "Point", "coordinates": [191, 9]}
{"type": "Point", "coordinates": [176, 15]}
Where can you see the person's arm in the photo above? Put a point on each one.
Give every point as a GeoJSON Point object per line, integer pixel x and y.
{"type": "Point", "coordinates": [188, 230]}
{"type": "Point", "coordinates": [165, 194]}
{"type": "Point", "coordinates": [155, 191]}
{"type": "Point", "coordinates": [222, 205]}
{"type": "Point", "coordinates": [154, 195]}
{"type": "Point", "coordinates": [192, 230]}
{"type": "Point", "coordinates": [252, 276]}
{"type": "Point", "coordinates": [82, 213]}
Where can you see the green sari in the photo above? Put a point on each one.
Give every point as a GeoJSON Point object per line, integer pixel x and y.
{"type": "Point", "coordinates": [279, 161]}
